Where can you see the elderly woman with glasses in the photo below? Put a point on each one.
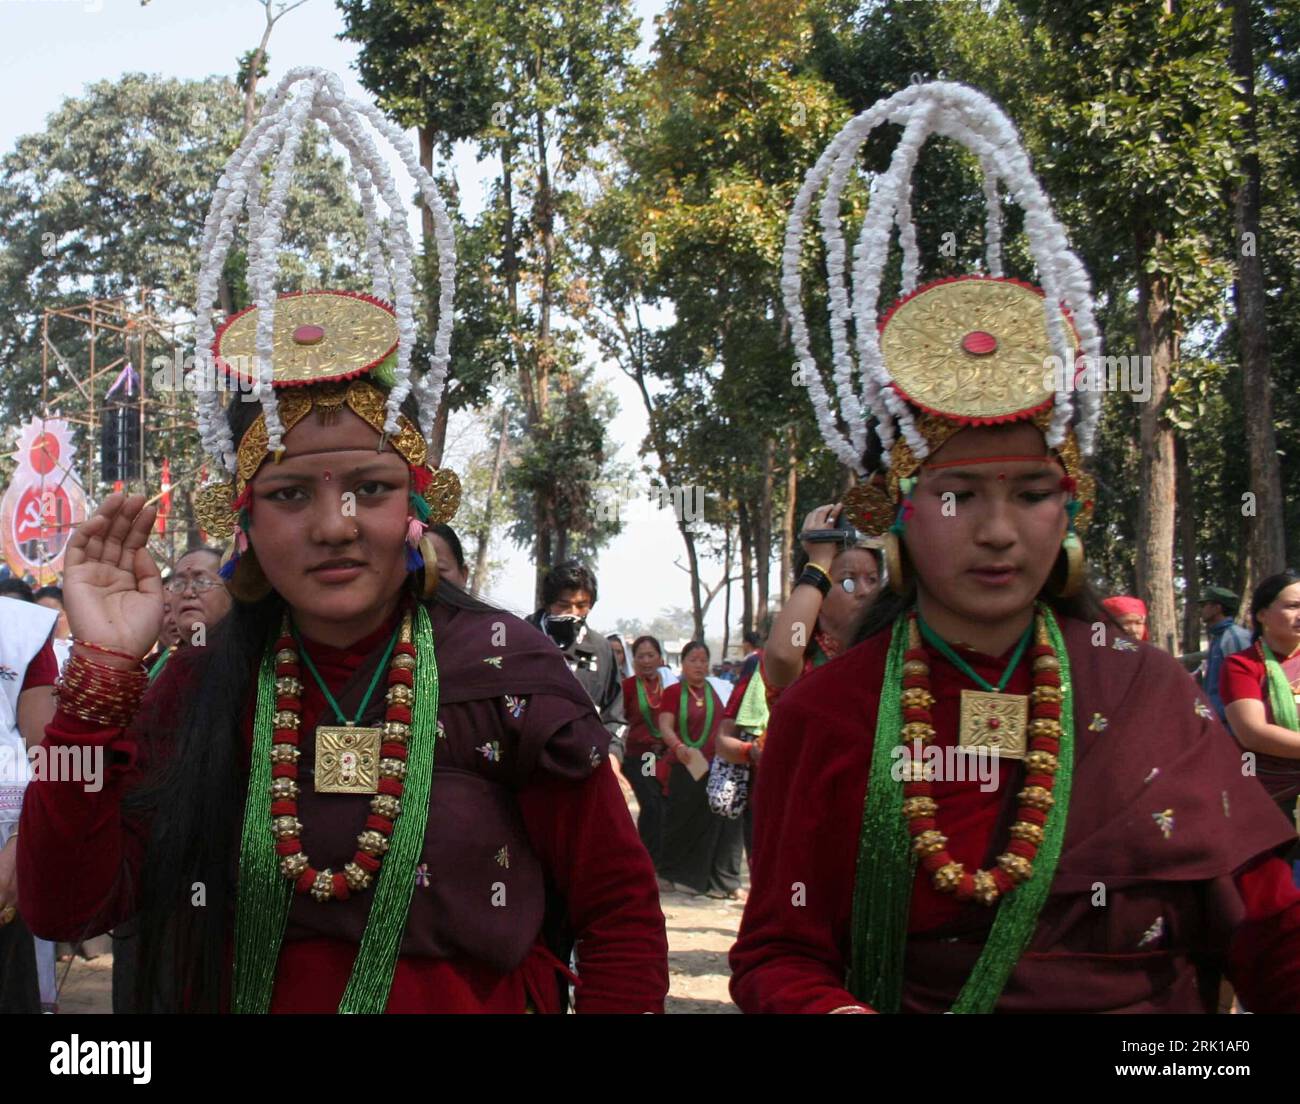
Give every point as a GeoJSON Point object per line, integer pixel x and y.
{"type": "Point", "coordinates": [196, 599]}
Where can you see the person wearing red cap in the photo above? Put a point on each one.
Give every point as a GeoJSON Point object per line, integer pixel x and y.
{"type": "Point", "coordinates": [1130, 614]}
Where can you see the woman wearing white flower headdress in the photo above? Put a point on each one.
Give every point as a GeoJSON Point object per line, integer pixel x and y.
{"type": "Point", "coordinates": [437, 843]}
{"type": "Point", "coordinates": [952, 794]}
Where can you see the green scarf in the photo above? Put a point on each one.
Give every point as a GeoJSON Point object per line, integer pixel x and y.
{"type": "Point", "coordinates": [643, 703]}
{"type": "Point", "coordinates": [682, 730]}
{"type": "Point", "coordinates": [264, 896]}
{"type": "Point", "coordinates": [1279, 691]}
{"type": "Point", "coordinates": [886, 869]}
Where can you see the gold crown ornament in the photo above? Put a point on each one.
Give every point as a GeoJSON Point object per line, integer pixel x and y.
{"type": "Point", "coordinates": [324, 344]}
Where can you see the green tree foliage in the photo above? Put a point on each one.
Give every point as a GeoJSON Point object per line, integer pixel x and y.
{"type": "Point", "coordinates": [110, 198]}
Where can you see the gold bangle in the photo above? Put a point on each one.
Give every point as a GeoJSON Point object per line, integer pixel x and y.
{"type": "Point", "coordinates": [819, 569]}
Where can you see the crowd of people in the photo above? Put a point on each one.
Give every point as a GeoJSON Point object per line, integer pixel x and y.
{"type": "Point", "coordinates": [331, 778]}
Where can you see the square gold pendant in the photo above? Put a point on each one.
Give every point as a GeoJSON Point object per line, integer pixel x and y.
{"type": "Point", "coordinates": [347, 759]}
{"type": "Point", "coordinates": [999, 722]}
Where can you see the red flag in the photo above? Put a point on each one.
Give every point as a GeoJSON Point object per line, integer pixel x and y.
{"type": "Point", "coordinates": [165, 500]}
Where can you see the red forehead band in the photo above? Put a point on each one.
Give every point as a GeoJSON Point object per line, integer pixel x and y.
{"type": "Point", "coordinates": [990, 460]}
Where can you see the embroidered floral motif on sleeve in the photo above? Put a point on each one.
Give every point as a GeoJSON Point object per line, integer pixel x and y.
{"type": "Point", "coordinates": [1154, 934]}
{"type": "Point", "coordinates": [1165, 822]}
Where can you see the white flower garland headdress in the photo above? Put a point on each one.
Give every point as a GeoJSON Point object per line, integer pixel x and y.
{"type": "Point", "coordinates": [307, 94]}
{"type": "Point", "coordinates": [954, 111]}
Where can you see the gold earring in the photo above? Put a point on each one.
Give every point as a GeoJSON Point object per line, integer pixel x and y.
{"type": "Point", "coordinates": [892, 547]}
{"type": "Point", "coordinates": [1068, 573]}
{"type": "Point", "coordinates": [429, 554]}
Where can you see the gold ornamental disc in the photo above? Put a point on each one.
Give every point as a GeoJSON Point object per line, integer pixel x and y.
{"type": "Point", "coordinates": [972, 348]}
{"type": "Point", "coordinates": [870, 507]}
{"type": "Point", "coordinates": [347, 759]}
{"type": "Point", "coordinates": [316, 336]}
{"type": "Point", "coordinates": [212, 509]}
{"type": "Point", "coordinates": [443, 496]}
{"type": "Point", "coordinates": [998, 722]}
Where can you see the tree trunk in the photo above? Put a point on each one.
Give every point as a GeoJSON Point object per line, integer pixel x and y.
{"type": "Point", "coordinates": [250, 88]}
{"type": "Point", "coordinates": [544, 218]}
{"type": "Point", "coordinates": [484, 535]}
{"type": "Point", "coordinates": [726, 598]}
{"type": "Point", "coordinates": [1187, 545]}
{"type": "Point", "coordinates": [746, 568]}
{"type": "Point", "coordinates": [1156, 474]}
{"type": "Point", "coordinates": [763, 534]}
{"type": "Point", "coordinates": [697, 610]}
{"type": "Point", "coordinates": [1266, 536]}
{"type": "Point", "coordinates": [788, 521]}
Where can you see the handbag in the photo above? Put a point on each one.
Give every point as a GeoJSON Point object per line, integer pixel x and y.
{"type": "Point", "coordinates": [728, 788]}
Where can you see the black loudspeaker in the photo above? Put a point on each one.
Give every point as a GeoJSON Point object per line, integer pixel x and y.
{"type": "Point", "coordinates": [119, 441]}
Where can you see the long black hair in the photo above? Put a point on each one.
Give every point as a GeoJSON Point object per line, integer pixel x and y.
{"type": "Point", "coordinates": [1266, 594]}
{"type": "Point", "coordinates": [194, 798]}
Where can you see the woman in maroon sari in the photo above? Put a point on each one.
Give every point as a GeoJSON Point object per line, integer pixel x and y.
{"type": "Point", "coordinates": [993, 802]}
{"type": "Point", "coordinates": [702, 851]}
{"type": "Point", "coordinates": [646, 765]}
{"type": "Point", "coordinates": [294, 836]}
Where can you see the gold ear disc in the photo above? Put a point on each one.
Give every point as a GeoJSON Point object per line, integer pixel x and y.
{"type": "Point", "coordinates": [212, 504]}
{"type": "Point", "coordinates": [443, 496]}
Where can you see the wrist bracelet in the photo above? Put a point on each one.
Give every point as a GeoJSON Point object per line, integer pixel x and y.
{"type": "Point", "coordinates": [100, 694]}
{"type": "Point", "coordinates": [816, 578]}
{"type": "Point", "coordinates": [106, 651]}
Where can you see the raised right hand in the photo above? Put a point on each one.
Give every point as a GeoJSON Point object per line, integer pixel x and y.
{"type": "Point", "coordinates": [112, 589]}
{"type": "Point", "coordinates": [821, 553]}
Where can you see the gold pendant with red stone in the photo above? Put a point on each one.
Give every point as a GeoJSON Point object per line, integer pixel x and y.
{"type": "Point", "coordinates": [998, 722]}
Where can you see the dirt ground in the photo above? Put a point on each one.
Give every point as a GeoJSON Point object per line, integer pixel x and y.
{"type": "Point", "coordinates": [700, 933]}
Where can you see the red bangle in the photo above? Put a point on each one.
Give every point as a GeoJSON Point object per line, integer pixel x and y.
{"type": "Point", "coordinates": [106, 651]}
{"type": "Point", "coordinates": [749, 752]}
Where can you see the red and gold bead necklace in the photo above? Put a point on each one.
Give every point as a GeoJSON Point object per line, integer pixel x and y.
{"type": "Point", "coordinates": [1015, 865]}
{"type": "Point", "coordinates": [385, 807]}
